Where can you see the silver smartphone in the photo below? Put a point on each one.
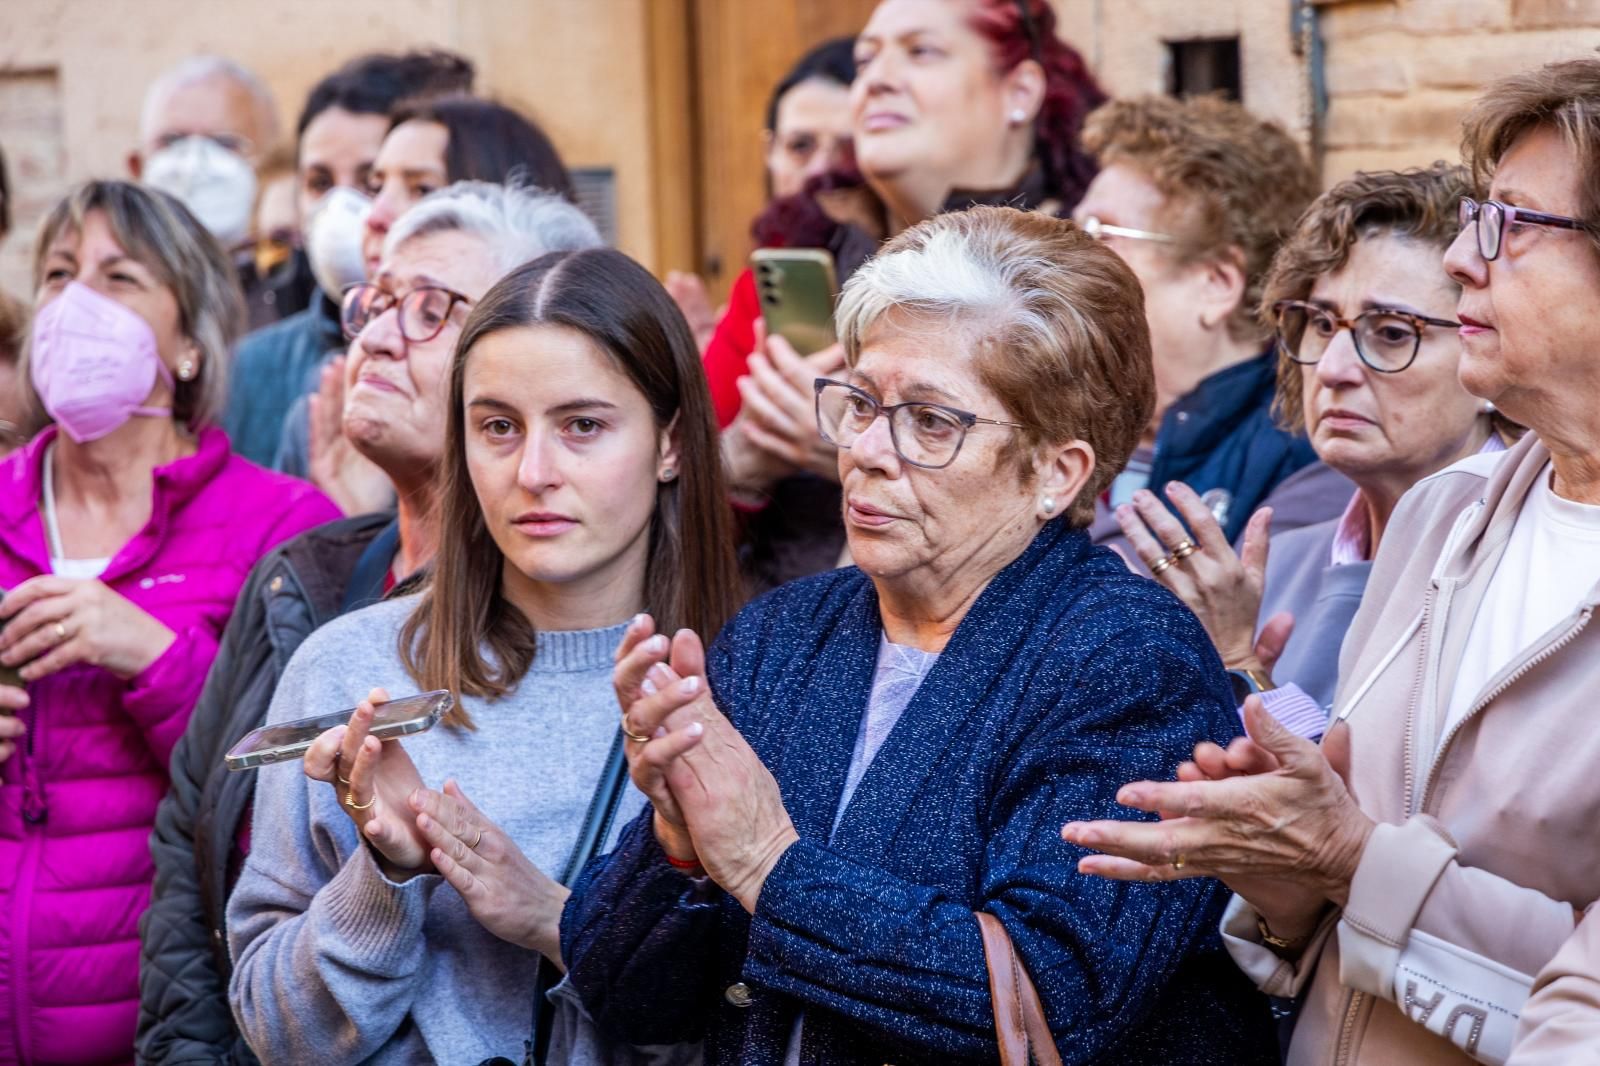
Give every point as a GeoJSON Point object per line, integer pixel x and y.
{"type": "Point", "coordinates": [289, 740]}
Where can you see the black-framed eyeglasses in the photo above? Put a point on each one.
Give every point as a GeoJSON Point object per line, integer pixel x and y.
{"type": "Point", "coordinates": [1492, 217]}
{"type": "Point", "coordinates": [423, 311]}
{"type": "Point", "coordinates": [1387, 338]}
{"type": "Point", "coordinates": [928, 435]}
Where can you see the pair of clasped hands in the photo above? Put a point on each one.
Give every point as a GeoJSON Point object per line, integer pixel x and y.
{"type": "Point", "coordinates": [415, 830]}
{"type": "Point", "coordinates": [717, 807]}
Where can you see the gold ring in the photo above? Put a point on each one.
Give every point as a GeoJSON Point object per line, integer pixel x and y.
{"type": "Point", "coordinates": [350, 801]}
{"type": "Point", "coordinates": [1185, 549]}
{"type": "Point", "coordinates": [1177, 864]}
{"type": "Point", "coordinates": [637, 738]}
{"type": "Point", "coordinates": [1160, 566]}
{"type": "Point", "coordinates": [61, 632]}
{"type": "Point", "coordinates": [474, 845]}
{"type": "Point", "coordinates": [345, 781]}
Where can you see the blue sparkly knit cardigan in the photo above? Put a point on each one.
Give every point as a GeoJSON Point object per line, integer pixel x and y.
{"type": "Point", "coordinates": [1068, 678]}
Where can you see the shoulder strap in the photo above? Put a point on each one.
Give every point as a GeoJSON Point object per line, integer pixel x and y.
{"type": "Point", "coordinates": [366, 581]}
{"type": "Point", "coordinates": [1019, 1023]}
{"type": "Point", "coordinates": [591, 838]}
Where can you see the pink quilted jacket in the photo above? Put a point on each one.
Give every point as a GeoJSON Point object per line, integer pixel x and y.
{"type": "Point", "coordinates": [78, 800]}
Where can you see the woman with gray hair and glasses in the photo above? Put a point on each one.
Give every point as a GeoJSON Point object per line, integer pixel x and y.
{"type": "Point", "coordinates": [1368, 353]}
{"type": "Point", "coordinates": [440, 258]}
{"type": "Point", "coordinates": [867, 757]}
{"type": "Point", "coordinates": [126, 530]}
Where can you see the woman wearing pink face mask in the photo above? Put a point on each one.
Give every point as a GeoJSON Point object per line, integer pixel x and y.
{"type": "Point", "coordinates": [126, 530]}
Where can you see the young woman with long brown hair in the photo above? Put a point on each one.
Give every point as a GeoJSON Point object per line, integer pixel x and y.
{"type": "Point", "coordinates": [381, 920]}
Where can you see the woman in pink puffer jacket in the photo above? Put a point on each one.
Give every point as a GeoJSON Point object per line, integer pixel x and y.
{"type": "Point", "coordinates": [126, 531]}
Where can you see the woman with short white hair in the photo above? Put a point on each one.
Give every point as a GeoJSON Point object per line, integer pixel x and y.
{"type": "Point", "coordinates": [868, 756]}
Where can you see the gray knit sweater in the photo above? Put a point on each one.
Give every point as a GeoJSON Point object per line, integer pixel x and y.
{"type": "Point", "coordinates": [337, 964]}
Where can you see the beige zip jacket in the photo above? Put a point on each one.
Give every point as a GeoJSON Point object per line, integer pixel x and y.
{"type": "Point", "coordinates": [1485, 851]}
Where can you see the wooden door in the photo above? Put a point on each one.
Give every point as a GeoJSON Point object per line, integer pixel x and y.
{"type": "Point", "coordinates": [740, 49]}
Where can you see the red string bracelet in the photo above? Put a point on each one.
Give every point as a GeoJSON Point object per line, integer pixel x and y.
{"type": "Point", "coordinates": [683, 864]}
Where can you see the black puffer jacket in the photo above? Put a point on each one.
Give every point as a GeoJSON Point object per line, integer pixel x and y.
{"type": "Point", "coordinates": [183, 968]}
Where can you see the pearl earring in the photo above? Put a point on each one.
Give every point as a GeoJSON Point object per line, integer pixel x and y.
{"type": "Point", "coordinates": [1488, 407]}
{"type": "Point", "coordinates": [186, 370]}
{"type": "Point", "coordinates": [1019, 116]}
{"type": "Point", "coordinates": [1049, 505]}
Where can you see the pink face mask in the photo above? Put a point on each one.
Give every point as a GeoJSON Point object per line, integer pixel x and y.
{"type": "Point", "coordinates": [94, 363]}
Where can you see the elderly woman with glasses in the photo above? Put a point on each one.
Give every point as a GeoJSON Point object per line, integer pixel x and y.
{"type": "Point", "coordinates": [1411, 877]}
{"type": "Point", "coordinates": [867, 757]}
{"type": "Point", "coordinates": [1368, 360]}
{"type": "Point", "coordinates": [1196, 196]}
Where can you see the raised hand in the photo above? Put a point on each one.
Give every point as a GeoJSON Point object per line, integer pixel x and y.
{"type": "Point", "coordinates": [778, 409]}
{"type": "Point", "coordinates": [504, 891]}
{"type": "Point", "coordinates": [1222, 588]}
{"type": "Point", "coordinates": [689, 293]}
{"type": "Point", "coordinates": [729, 801]}
{"type": "Point", "coordinates": [374, 782]}
{"type": "Point", "coordinates": [348, 478]}
{"type": "Point", "coordinates": [1287, 837]}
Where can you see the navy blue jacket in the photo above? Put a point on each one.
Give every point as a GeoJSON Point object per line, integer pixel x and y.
{"type": "Point", "coordinates": [272, 368]}
{"type": "Point", "coordinates": [1222, 441]}
{"type": "Point", "coordinates": [1068, 678]}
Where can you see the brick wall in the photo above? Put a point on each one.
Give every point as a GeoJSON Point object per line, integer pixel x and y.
{"type": "Point", "coordinates": [1399, 73]}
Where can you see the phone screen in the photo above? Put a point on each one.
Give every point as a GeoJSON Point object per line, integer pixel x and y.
{"type": "Point", "coordinates": [289, 740]}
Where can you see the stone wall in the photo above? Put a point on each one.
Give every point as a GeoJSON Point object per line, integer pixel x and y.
{"type": "Point", "coordinates": [1399, 73]}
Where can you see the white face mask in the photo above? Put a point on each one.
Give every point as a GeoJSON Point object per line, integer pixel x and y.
{"type": "Point", "coordinates": [333, 239]}
{"type": "Point", "coordinates": [216, 185]}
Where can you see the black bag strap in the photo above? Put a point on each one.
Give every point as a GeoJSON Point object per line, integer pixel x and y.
{"type": "Point", "coordinates": [372, 568]}
{"type": "Point", "coordinates": [591, 838]}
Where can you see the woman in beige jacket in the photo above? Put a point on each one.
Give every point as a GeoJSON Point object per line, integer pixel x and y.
{"type": "Point", "coordinates": [1413, 908]}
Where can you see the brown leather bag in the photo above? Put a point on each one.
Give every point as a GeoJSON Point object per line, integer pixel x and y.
{"type": "Point", "coordinates": [1019, 1023]}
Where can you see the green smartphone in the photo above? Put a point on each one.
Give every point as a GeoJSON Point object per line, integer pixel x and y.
{"type": "Point", "coordinates": [9, 675]}
{"type": "Point", "coordinates": [796, 288]}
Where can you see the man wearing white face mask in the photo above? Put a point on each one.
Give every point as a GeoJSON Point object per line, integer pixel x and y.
{"type": "Point", "coordinates": [205, 125]}
{"type": "Point", "coordinates": [205, 128]}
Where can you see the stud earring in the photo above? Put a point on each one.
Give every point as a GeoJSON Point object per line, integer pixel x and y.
{"type": "Point", "coordinates": [668, 474]}
{"type": "Point", "coordinates": [1019, 116]}
{"type": "Point", "coordinates": [1488, 407]}
{"type": "Point", "coordinates": [187, 370]}
{"type": "Point", "coordinates": [1049, 505]}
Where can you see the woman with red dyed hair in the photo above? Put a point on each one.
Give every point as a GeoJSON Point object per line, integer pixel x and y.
{"type": "Point", "coordinates": [955, 103]}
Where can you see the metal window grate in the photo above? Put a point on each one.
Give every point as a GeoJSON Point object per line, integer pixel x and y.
{"type": "Point", "coordinates": [1204, 66]}
{"type": "Point", "coordinates": [597, 195]}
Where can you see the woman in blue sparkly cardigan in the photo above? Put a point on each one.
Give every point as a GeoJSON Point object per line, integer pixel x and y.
{"type": "Point", "coordinates": [866, 757]}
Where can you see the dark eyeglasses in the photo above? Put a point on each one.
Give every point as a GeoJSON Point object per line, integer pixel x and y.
{"type": "Point", "coordinates": [1492, 217]}
{"type": "Point", "coordinates": [423, 311]}
{"type": "Point", "coordinates": [1387, 339]}
{"type": "Point", "coordinates": [928, 435]}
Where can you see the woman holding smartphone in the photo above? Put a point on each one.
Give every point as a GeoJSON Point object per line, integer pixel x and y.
{"type": "Point", "coordinates": [387, 914]}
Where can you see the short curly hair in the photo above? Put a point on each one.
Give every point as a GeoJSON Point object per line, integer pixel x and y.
{"type": "Point", "coordinates": [1416, 204]}
{"type": "Point", "coordinates": [1230, 179]}
{"type": "Point", "coordinates": [1059, 321]}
